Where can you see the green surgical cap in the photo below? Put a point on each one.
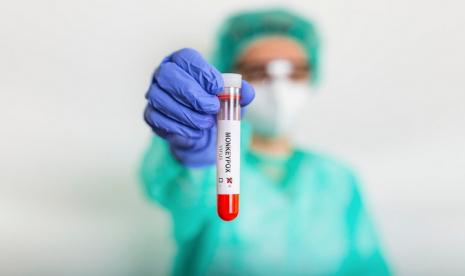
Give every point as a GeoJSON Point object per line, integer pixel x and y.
{"type": "Point", "coordinates": [241, 29]}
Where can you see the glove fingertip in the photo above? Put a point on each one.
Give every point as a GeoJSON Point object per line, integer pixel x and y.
{"type": "Point", "coordinates": [217, 83]}
{"type": "Point", "coordinates": [247, 93]}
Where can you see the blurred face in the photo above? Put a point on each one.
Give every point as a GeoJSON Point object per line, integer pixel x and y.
{"type": "Point", "coordinates": [277, 67]}
{"type": "Point", "coordinates": [252, 63]}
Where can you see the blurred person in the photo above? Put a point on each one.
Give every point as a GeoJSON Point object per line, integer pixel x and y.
{"type": "Point", "coordinates": [301, 211]}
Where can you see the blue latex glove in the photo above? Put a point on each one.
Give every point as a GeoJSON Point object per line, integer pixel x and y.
{"type": "Point", "coordinates": [182, 106]}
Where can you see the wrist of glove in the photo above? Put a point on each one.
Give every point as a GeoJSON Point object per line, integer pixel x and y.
{"type": "Point", "coordinates": [196, 153]}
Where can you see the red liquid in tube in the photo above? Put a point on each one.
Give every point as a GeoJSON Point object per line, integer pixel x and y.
{"type": "Point", "coordinates": [228, 148]}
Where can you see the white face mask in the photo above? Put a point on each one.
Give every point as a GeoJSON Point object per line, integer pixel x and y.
{"type": "Point", "coordinates": [278, 103]}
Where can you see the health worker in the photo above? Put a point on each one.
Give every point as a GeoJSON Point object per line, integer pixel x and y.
{"type": "Point", "coordinates": [301, 212]}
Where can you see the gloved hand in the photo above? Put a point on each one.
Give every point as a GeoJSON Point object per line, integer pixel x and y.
{"type": "Point", "coordinates": [182, 106]}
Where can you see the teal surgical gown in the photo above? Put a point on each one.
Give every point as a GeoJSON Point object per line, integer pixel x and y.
{"type": "Point", "coordinates": [301, 215]}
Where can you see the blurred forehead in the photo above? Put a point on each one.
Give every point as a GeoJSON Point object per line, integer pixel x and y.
{"type": "Point", "coordinates": [273, 47]}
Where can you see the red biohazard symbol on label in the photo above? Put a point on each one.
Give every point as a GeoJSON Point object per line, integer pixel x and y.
{"type": "Point", "coordinates": [229, 180]}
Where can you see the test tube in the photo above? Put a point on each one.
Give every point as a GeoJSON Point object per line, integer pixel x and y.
{"type": "Point", "coordinates": [228, 148]}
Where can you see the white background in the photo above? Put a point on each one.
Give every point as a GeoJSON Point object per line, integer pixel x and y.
{"type": "Point", "coordinates": [72, 80]}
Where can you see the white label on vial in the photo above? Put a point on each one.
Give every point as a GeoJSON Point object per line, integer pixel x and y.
{"type": "Point", "coordinates": [228, 157]}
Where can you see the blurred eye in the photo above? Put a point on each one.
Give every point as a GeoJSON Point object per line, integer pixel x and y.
{"type": "Point", "coordinates": [256, 72]}
{"type": "Point", "coordinates": [300, 72]}
{"type": "Point", "coordinates": [256, 75]}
